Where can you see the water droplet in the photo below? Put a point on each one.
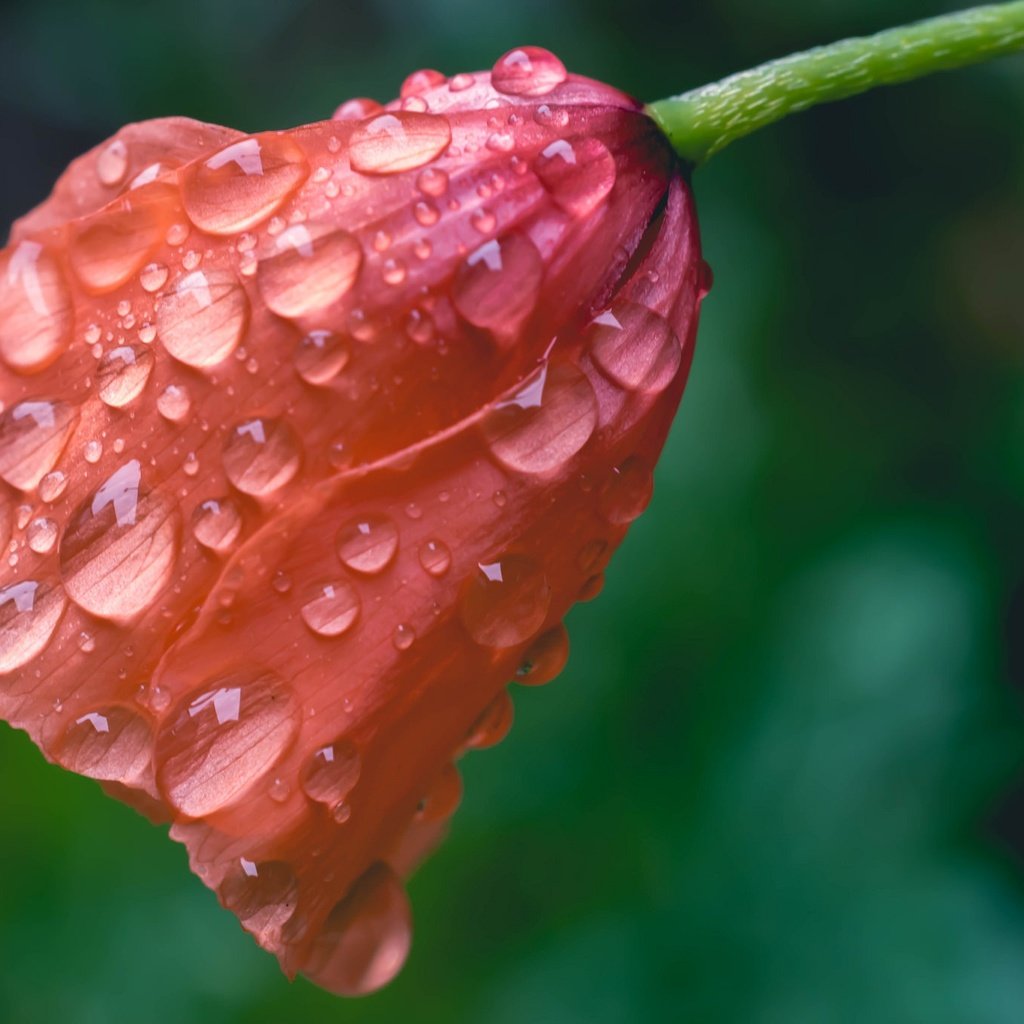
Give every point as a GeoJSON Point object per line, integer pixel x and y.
{"type": "Point", "coordinates": [118, 550]}
{"type": "Point", "coordinates": [112, 163]}
{"type": "Point", "coordinates": [320, 356]}
{"type": "Point", "coordinates": [484, 221]}
{"type": "Point", "coordinates": [497, 285]}
{"type": "Point", "coordinates": [354, 110]}
{"type": "Point", "coordinates": [29, 613]}
{"type": "Point", "coordinates": [501, 142]}
{"type": "Point", "coordinates": [52, 486]}
{"type": "Point", "coordinates": [528, 71]}
{"type": "Point", "coordinates": [202, 319]}
{"type": "Point", "coordinates": [41, 535]}
{"type": "Point", "coordinates": [628, 492]}
{"type": "Point", "coordinates": [86, 642]}
{"type": "Point", "coordinates": [36, 311]}
{"type": "Point", "coordinates": [493, 724]}
{"type": "Point", "coordinates": [108, 249]}
{"type": "Point", "coordinates": [578, 175]}
{"type": "Point", "coordinates": [261, 455]}
{"type": "Point", "coordinates": [32, 436]}
{"type": "Point", "coordinates": [432, 181]}
{"type": "Point", "coordinates": [174, 403]}
{"type": "Point", "coordinates": [111, 743]}
{"type": "Point", "coordinates": [122, 374]}
{"type": "Point", "coordinates": [332, 608]}
{"type": "Point", "coordinates": [153, 277]}
{"type": "Point", "coordinates": [419, 326]}
{"type": "Point", "coordinates": [366, 937]}
{"type": "Point", "coordinates": [591, 588]}
{"type": "Point", "coordinates": [461, 82]}
{"type": "Point", "coordinates": [279, 790]}
{"type": "Point", "coordinates": [551, 117]}
{"type": "Point", "coordinates": [398, 141]}
{"type": "Point", "coordinates": [420, 82]}
{"type": "Point", "coordinates": [705, 279]}
{"type": "Point", "coordinates": [216, 523]}
{"type": "Point", "coordinates": [176, 234]}
{"type": "Point", "coordinates": [426, 214]}
{"type": "Point", "coordinates": [435, 557]}
{"type": "Point", "coordinates": [332, 773]}
{"type": "Point", "coordinates": [403, 637]}
{"type": "Point", "coordinates": [505, 602]}
{"type": "Point", "coordinates": [368, 544]}
{"type": "Point", "coordinates": [545, 658]}
{"type": "Point", "coordinates": [308, 271]}
{"type": "Point", "coordinates": [223, 738]}
{"type": "Point", "coordinates": [393, 271]}
{"type": "Point", "coordinates": [635, 348]}
{"type": "Point", "coordinates": [543, 424]}
{"type": "Point", "coordinates": [443, 797]}
{"type": "Point", "coordinates": [93, 451]}
{"type": "Point", "coordinates": [243, 184]}
{"type": "Point", "coordinates": [593, 556]}
{"type": "Point", "coordinates": [263, 896]}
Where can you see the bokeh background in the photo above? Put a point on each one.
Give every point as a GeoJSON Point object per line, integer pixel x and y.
{"type": "Point", "coordinates": [781, 779]}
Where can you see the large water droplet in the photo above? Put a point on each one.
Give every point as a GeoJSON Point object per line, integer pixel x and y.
{"type": "Point", "coordinates": [398, 141]}
{"type": "Point", "coordinates": [107, 250]}
{"type": "Point", "coordinates": [122, 374]}
{"type": "Point", "coordinates": [36, 311]}
{"type": "Point", "coordinates": [309, 269]}
{"type": "Point", "coordinates": [493, 724]}
{"type": "Point", "coordinates": [332, 608]}
{"type": "Point", "coordinates": [261, 455]}
{"type": "Point", "coordinates": [579, 175]}
{"type": "Point", "coordinates": [320, 356]}
{"type": "Point", "coordinates": [545, 658]}
{"type": "Point", "coordinates": [32, 437]}
{"type": "Point", "coordinates": [111, 743]}
{"type": "Point", "coordinates": [505, 602]}
{"type": "Point", "coordinates": [243, 184]}
{"type": "Point", "coordinates": [627, 492]}
{"type": "Point", "coordinates": [202, 319]}
{"type": "Point", "coordinates": [119, 549]}
{"type": "Point", "coordinates": [331, 774]}
{"type": "Point", "coordinates": [223, 738]}
{"type": "Point", "coordinates": [216, 523]}
{"type": "Point", "coordinates": [635, 348]}
{"type": "Point", "coordinates": [368, 544]}
{"type": "Point", "coordinates": [497, 285]}
{"type": "Point", "coordinates": [263, 895]}
{"type": "Point", "coordinates": [545, 423]}
{"type": "Point", "coordinates": [366, 937]}
{"type": "Point", "coordinates": [29, 613]}
{"type": "Point", "coordinates": [528, 71]}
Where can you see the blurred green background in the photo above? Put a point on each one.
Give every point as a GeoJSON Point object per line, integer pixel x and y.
{"type": "Point", "coordinates": [781, 779]}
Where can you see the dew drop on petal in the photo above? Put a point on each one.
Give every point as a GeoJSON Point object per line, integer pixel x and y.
{"type": "Point", "coordinates": [263, 896]}
{"type": "Point", "coordinates": [368, 544]}
{"type": "Point", "coordinates": [528, 71]}
{"type": "Point", "coordinates": [432, 181]}
{"type": "Point", "coordinates": [356, 109]}
{"type": "Point", "coordinates": [306, 272]}
{"type": "Point", "coordinates": [41, 535]}
{"type": "Point", "coordinates": [497, 285]}
{"type": "Point", "coordinates": [366, 937]}
{"type": "Point", "coordinates": [403, 637]}
{"type": "Point", "coordinates": [216, 523]}
{"type": "Point", "coordinates": [32, 436]}
{"type": "Point", "coordinates": [52, 486]}
{"type": "Point", "coordinates": [545, 657]}
{"type": "Point", "coordinates": [36, 311]}
{"type": "Point", "coordinates": [493, 724]}
{"type": "Point", "coordinates": [112, 163]}
{"type": "Point", "coordinates": [153, 277]}
{"type": "Point", "coordinates": [635, 348]}
{"type": "Point", "coordinates": [174, 403]}
{"type": "Point", "coordinates": [222, 738]}
{"type": "Point", "coordinates": [29, 613]}
{"type": "Point", "coordinates": [119, 549]}
{"type": "Point", "coordinates": [242, 184]}
{"type": "Point", "coordinates": [627, 492]}
{"type": "Point", "coordinates": [202, 319]}
{"type": "Point", "coordinates": [122, 374]}
{"type": "Point", "coordinates": [320, 356]}
{"type": "Point", "coordinates": [443, 797]}
{"type": "Point", "coordinates": [331, 773]}
{"type": "Point", "coordinates": [332, 608]}
{"type": "Point", "coordinates": [543, 424]}
{"type": "Point", "coordinates": [261, 455]}
{"type": "Point", "coordinates": [111, 743]}
{"type": "Point", "coordinates": [505, 602]}
{"type": "Point", "coordinates": [398, 141]}
{"type": "Point", "coordinates": [578, 175]}
{"type": "Point", "coordinates": [420, 82]}
{"type": "Point", "coordinates": [435, 557]}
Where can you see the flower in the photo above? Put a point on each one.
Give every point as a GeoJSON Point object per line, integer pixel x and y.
{"type": "Point", "coordinates": [309, 441]}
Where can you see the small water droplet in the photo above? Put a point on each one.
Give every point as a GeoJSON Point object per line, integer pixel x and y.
{"type": "Point", "coordinates": [222, 738]}
{"type": "Point", "coordinates": [332, 608]}
{"type": "Point", "coordinates": [29, 613]}
{"type": "Point", "coordinates": [432, 181]}
{"type": "Point", "coordinates": [403, 637]}
{"type": "Point", "coordinates": [93, 451]}
{"type": "Point", "coordinates": [368, 544]}
{"type": "Point", "coordinates": [460, 82]}
{"type": "Point", "coordinates": [497, 285]}
{"type": "Point", "coordinates": [320, 356]}
{"type": "Point", "coordinates": [635, 348]}
{"type": "Point", "coordinates": [426, 214]}
{"type": "Point", "coordinates": [242, 184]}
{"type": "Point", "coordinates": [393, 271]}
{"type": "Point", "coordinates": [545, 658]}
{"type": "Point", "coordinates": [111, 743]}
{"type": "Point", "coordinates": [419, 327]}
{"type": "Point", "coordinates": [398, 141]}
{"type": "Point", "coordinates": [261, 455]}
{"type": "Point", "coordinates": [86, 642]}
{"type": "Point", "coordinates": [331, 773]}
{"type": "Point", "coordinates": [122, 374]}
{"type": "Point", "coordinates": [435, 557]}
{"type": "Point", "coordinates": [420, 82]}
{"type": "Point", "coordinates": [579, 176]}
{"type": "Point", "coordinates": [551, 117]}
{"type": "Point", "coordinates": [528, 71]}
{"type": "Point", "coordinates": [176, 234]}
{"type": "Point", "coordinates": [36, 311]}
{"type": "Point", "coordinates": [505, 602]}
{"type": "Point", "coordinates": [353, 110]}
{"type": "Point", "coordinates": [32, 436]}
{"type": "Point", "coordinates": [279, 790]}
{"type": "Point", "coordinates": [443, 797]}
{"type": "Point", "coordinates": [153, 277]}
{"type": "Point", "coordinates": [216, 523]}
{"type": "Point", "coordinates": [484, 221]}
{"type": "Point", "coordinates": [52, 486]}
{"type": "Point", "coordinates": [41, 535]}
{"type": "Point", "coordinates": [174, 403]}
{"type": "Point", "coordinates": [202, 319]}
{"type": "Point", "coordinates": [494, 723]}
{"type": "Point", "coordinates": [112, 163]}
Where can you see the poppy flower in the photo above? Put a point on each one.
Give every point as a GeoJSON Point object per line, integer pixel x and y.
{"type": "Point", "coordinates": [309, 441]}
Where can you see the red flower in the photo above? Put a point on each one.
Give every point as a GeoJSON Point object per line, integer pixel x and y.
{"type": "Point", "coordinates": [310, 439]}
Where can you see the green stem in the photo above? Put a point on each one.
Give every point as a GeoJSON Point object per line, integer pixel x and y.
{"type": "Point", "coordinates": [701, 122]}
